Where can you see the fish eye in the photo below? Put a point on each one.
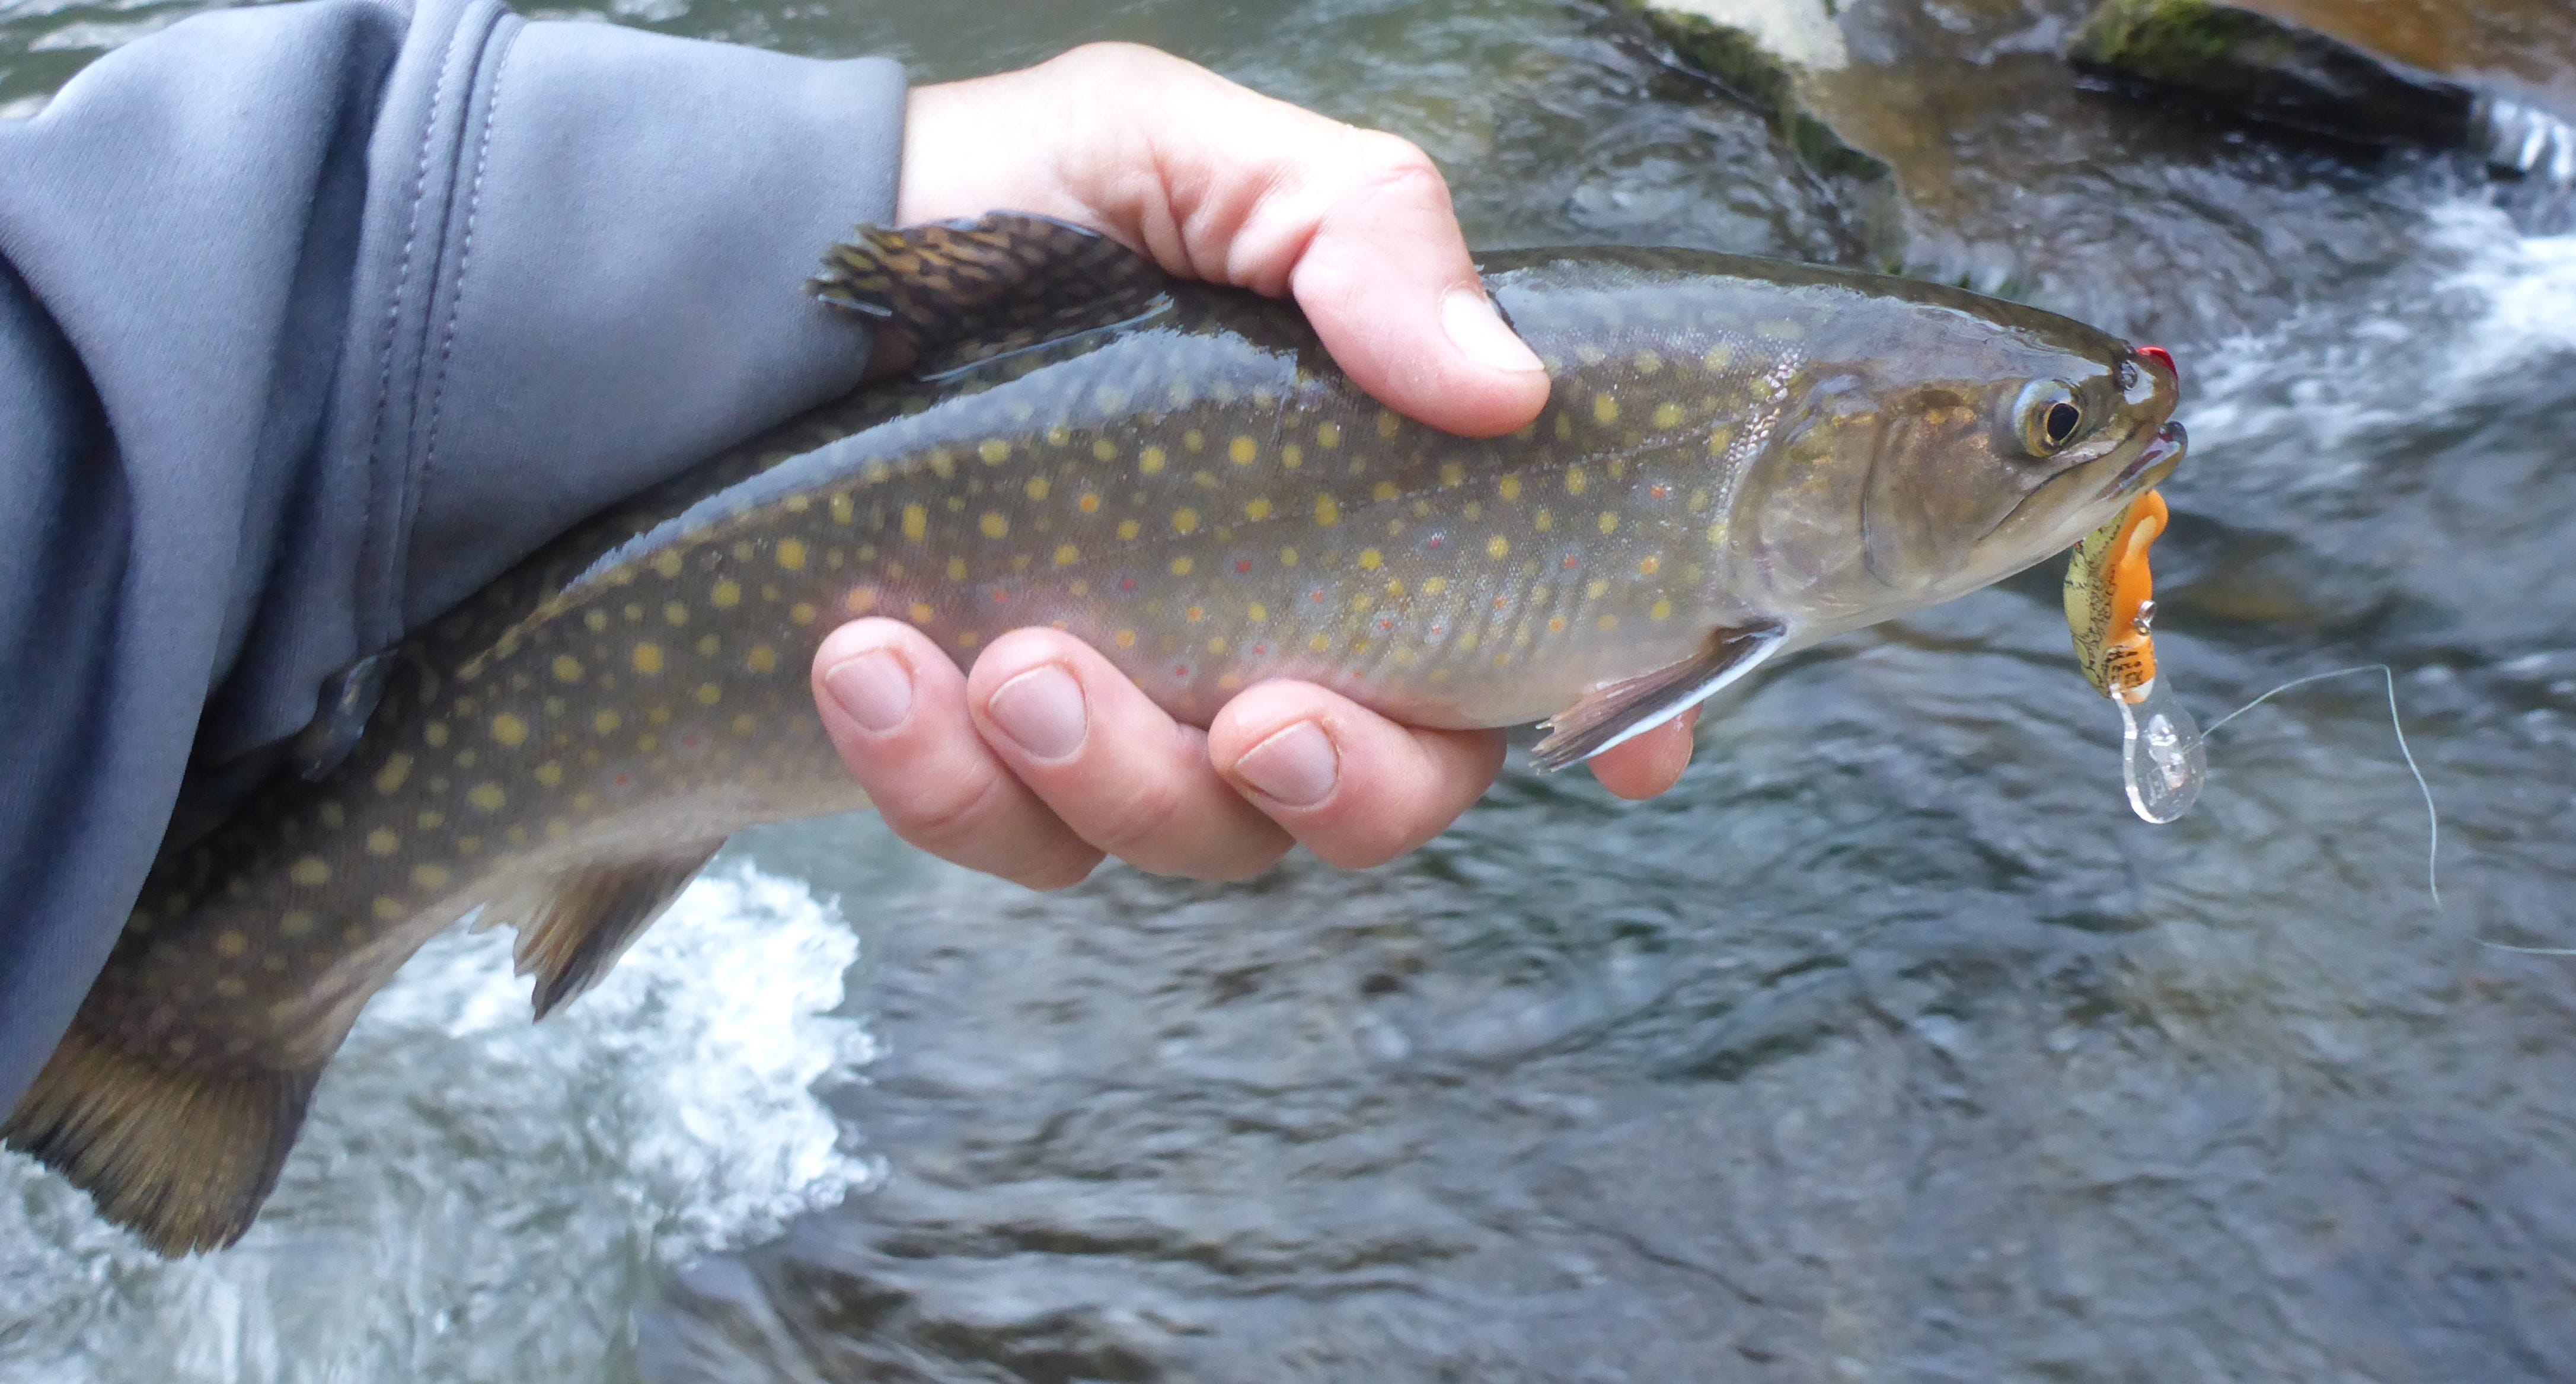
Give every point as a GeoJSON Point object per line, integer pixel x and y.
{"type": "Point", "coordinates": [2051, 416]}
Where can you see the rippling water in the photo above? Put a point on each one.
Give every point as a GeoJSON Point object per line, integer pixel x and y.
{"type": "Point", "coordinates": [1888, 1047]}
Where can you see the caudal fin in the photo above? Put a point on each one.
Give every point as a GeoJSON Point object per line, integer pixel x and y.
{"type": "Point", "coordinates": [182, 1156]}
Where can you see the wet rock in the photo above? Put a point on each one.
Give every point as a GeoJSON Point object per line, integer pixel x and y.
{"type": "Point", "coordinates": [2263, 67]}
{"type": "Point", "coordinates": [1769, 52]}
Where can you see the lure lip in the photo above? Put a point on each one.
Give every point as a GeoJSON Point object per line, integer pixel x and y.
{"type": "Point", "coordinates": [2164, 450]}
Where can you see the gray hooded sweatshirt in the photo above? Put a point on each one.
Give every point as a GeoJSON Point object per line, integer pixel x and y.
{"type": "Point", "coordinates": [316, 317]}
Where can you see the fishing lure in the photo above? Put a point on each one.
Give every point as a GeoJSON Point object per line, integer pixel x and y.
{"type": "Point", "coordinates": [2111, 610]}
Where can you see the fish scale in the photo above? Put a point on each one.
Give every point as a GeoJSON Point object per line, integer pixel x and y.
{"type": "Point", "coordinates": [1737, 458]}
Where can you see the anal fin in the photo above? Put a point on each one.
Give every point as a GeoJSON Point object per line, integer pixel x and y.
{"type": "Point", "coordinates": [948, 294]}
{"type": "Point", "coordinates": [1629, 708]}
{"type": "Point", "coordinates": [587, 916]}
{"type": "Point", "coordinates": [181, 1155]}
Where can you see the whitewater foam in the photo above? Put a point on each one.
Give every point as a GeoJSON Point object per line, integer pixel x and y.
{"type": "Point", "coordinates": [477, 1198]}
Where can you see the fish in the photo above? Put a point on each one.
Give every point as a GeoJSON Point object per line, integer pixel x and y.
{"type": "Point", "coordinates": [1739, 457]}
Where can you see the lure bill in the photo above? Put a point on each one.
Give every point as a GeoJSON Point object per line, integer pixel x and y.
{"type": "Point", "coordinates": [2111, 610]}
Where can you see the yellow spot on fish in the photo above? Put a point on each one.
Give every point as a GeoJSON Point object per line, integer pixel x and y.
{"type": "Point", "coordinates": [994, 451]}
{"type": "Point", "coordinates": [597, 620]}
{"type": "Point", "coordinates": [842, 510]}
{"type": "Point", "coordinates": [1194, 614]}
{"type": "Point", "coordinates": [676, 613]}
{"type": "Point", "coordinates": [382, 841]}
{"type": "Point", "coordinates": [1609, 522]}
{"type": "Point", "coordinates": [761, 659]}
{"type": "Point", "coordinates": [1242, 450]}
{"type": "Point", "coordinates": [1648, 362]}
{"type": "Point", "coordinates": [744, 724]}
{"type": "Point", "coordinates": [1371, 559]}
{"type": "Point", "coordinates": [1668, 415]}
{"type": "Point", "coordinates": [549, 773]}
{"type": "Point", "coordinates": [1104, 449]}
{"type": "Point", "coordinates": [1511, 488]}
{"type": "Point", "coordinates": [648, 659]}
{"type": "Point", "coordinates": [1036, 488]}
{"type": "Point", "coordinates": [710, 693]}
{"type": "Point", "coordinates": [726, 594]}
{"type": "Point", "coordinates": [607, 722]}
{"type": "Point", "coordinates": [1388, 423]}
{"type": "Point", "coordinates": [567, 668]}
{"type": "Point", "coordinates": [1180, 566]}
{"type": "Point", "coordinates": [801, 613]}
{"type": "Point", "coordinates": [993, 525]}
{"type": "Point", "coordinates": [1292, 456]}
{"type": "Point", "coordinates": [1575, 480]}
{"type": "Point", "coordinates": [1287, 557]}
{"type": "Point", "coordinates": [791, 554]}
{"type": "Point", "coordinates": [1066, 555]}
{"type": "Point", "coordinates": [920, 613]}
{"type": "Point", "coordinates": [1150, 460]}
{"type": "Point", "coordinates": [1194, 439]}
{"type": "Point", "coordinates": [1650, 566]}
{"type": "Point", "coordinates": [1185, 520]}
{"type": "Point", "coordinates": [1126, 639]}
{"type": "Point", "coordinates": [1451, 473]}
{"type": "Point", "coordinates": [1384, 490]}
{"type": "Point", "coordinates": [1256, 612]}
{"type": "Point", "coordinates": [1327, 513]}
{"type": "Point", "coordinates": [429, 876]}
{"type": "Point", "coordinates": [1605, 408]}
{"type": "Point", "coordinates": [916, 522]}
{"type": "Point", "coordinates": [861, 600]}
{"type": "Point", "coordinates": [1435, 586]}
{"type": "Point", "coordinates": [1556, 624]}
{"type": "Point", "coordinates": [295, 922]}
{"type": "Point", "coordinates": [1606, 622]}
{"type": "Point", "coordinates": [386, 908]}
{"type": "Point", "coordinates": [230, 942]}
{"type": "Point", "coordinates": [310, 872]}
{"type": "Point", "coordinates": [668, 564]}
{"type": "Point", "coordinates": [488, 797]}
{"type": "Point", "coordinates": [1089, 504]}
{"type": "Point", "coordinates": [1320, 643]}
{"type": "Point", "coordinates": [1229, 681]}
{"type": "Point", "coordinates": [1128, 529]}
{"type": "Point", "coordinates": [957, 569]}
{"type": "Point", "coordinates": [707, 647]}
{"type": "Point", "coordinates": [1564, 427]}
{"type": "Point", "coordinates": [1662, 610]}
{"type": "Point", "coordinates": [1718, 358]}
{"type": "Point", "coordinates": [1596, 591]}
{"type": "Point", "coordinates": [389, 779]}
{"type": "Point", "coordinates": [1257, 511]}
{"type": "Point", "coordinates": [1328, 435]}
{"type": "Point", "coordinates": [1498, 546]}
{"type": "Point", "coordinates": [435, 733]}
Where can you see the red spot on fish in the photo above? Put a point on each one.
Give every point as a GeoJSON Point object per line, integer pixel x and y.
{"type": "Point", "coordinates": [1386, 623]}
{"type": "Point", "coordinates": [1001, 597]}
{"type": "Point", "coordinates": [1316, 595]}
{"type": "Point", "coordinates": [1180, 670]}
{"type": "Point", "coordinates": [1260, 651]}
{"type": "Point", "coordinates": [2162, 357]}
{"type": "Point", "coordinates": [1242, 565]}
{"type": "Point", "coordinates": [1127, 584]}
{"type": "Point", "coordinates": [1660, 491]}
{"type": "Point", "coordinates": [1502, 602]}
{"type": "Point", "coordinates": [1568, 564]}
{"type": "Point", "coordinates": [1434, 542]}
{"type": "Point", "coordinates": [624, 780]}
{"type": "Point", "coordinates": [688, 742]}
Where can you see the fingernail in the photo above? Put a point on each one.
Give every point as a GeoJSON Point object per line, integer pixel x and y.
{"type": "Point", "coordinates": [1298, 766]}
{"type": "Point", "coordinates": [1041, 710]}
{"type": "Point", "coordinates": [873, 689]}
{"type": "Point", "coordinates": [1475, 328]}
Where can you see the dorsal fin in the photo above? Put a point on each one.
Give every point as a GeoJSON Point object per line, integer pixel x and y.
{"type": "Point", "coordinates": [948, 294]}
{"type": "Point", "coordinates": [587, 915]}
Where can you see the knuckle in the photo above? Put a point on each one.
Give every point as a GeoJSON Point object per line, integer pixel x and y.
{"type": "Point", "coordinates": [951, 815]}
{"type": "Point", "coordinates": [1138, 819]}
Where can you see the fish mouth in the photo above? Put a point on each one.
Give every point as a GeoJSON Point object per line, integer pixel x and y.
{"type": "Point", "coordinates": [2153, 463]}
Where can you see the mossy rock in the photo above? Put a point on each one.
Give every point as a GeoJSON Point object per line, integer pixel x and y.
{"type": "Point", "coordinates": [1738, 60]}
{"type": "Point", "coordinates": [2251, 64]}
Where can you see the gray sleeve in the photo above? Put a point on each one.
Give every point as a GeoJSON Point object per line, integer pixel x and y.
{"type": "Point", "coordinates": [315, 317]}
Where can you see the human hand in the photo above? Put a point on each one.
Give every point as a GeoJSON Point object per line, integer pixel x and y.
{"type": "Point", "coordinates": [1045, 757]}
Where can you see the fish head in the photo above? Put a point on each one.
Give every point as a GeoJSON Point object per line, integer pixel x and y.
{"type": "Point", "coordinates": [1945, 447]}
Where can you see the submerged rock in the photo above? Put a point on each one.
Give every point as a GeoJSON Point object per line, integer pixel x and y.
{"type": "Point", "coordinates": [1769, 52]}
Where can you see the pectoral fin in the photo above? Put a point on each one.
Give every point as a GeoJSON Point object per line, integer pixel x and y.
{"type": "Point", "coordinates": [1624, 710]}
{"type": "Point", "coordinates": [584, 921]}
{"type": "Point", "coordinates": [951, 293]}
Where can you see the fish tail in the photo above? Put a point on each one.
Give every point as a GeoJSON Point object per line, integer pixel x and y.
{"type": "Point", "coordinates": [182, 1156]}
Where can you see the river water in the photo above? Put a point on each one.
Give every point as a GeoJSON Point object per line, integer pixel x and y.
{"type": "Point", "coordinates": [1889, 1047]}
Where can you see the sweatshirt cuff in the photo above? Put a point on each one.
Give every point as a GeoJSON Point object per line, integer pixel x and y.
{"type": "Point", "coordinates": [588, 275]}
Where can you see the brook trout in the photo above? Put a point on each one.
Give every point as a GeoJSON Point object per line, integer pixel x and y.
{"type": "Point", "coordinates": [1739, 458]}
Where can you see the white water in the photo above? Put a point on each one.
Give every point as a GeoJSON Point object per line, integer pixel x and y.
{"type": "Point", "coordinates": [479, 1198]}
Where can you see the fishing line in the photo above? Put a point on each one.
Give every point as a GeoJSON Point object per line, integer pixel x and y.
{"type": "Point", "coordinates": [2432, 814]}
